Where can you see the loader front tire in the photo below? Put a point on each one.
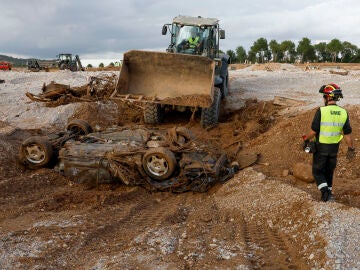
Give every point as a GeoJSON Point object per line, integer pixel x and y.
{"type": "Point", "coordinates": [152, 113]}
{"type": "Point", "coordinates": [210, 116]}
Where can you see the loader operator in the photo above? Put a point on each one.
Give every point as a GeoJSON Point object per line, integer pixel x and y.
{"type": "Point", "coordinates": [194, 40]}
{"type": "Point", "coordinates": [191, 43]}
{"type": "Point", "coordinates": [330, 124]}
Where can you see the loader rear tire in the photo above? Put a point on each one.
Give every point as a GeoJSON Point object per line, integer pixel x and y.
{"type": "Point", "coordinates": [210, 116]}
{"type": "Point", "coordinates": [152, 113]}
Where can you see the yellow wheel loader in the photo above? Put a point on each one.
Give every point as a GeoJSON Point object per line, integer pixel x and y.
{"type": "Point", "coordinates": [190, 74]}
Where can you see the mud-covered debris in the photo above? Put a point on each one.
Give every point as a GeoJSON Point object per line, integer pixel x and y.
{"type": "Point", "coordinates": [284, 101]}
{"type": "Point", "coordinates": [342, 72]}
{"type": "Point", "coordinates": [172, 160]}
{"type": "Point", "coordinates": [55, 94]}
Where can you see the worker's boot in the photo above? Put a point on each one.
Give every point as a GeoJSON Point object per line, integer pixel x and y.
{"type": "Point", "coordinates": [331, 196]}
{"type": "Point", "coordinates": [325, 194]}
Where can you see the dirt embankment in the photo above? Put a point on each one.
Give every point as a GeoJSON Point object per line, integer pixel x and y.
{"type": "Point", "coordinates": [263, 218]}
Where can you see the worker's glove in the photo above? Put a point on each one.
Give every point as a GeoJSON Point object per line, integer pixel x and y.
{"type": "Point", "coordinates": [350, 153]}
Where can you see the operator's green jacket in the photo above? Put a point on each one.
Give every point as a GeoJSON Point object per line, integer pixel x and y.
{"type": "Point", "coordinates": [193, 42]}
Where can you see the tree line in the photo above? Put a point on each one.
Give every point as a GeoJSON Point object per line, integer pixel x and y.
{"type": "Point", "coordinates": [288, 52]}
{"type": "Point", "coordinates": [101, 65]}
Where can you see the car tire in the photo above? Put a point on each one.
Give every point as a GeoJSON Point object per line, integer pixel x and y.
{"type": "Point", "coordinates": [79, 127]}
{"type": "Point", "coordinates": [159, 163]}
{"type": "Point", "coordinates": [36, 152]}
{"type": "Point", "coordinates": [210, 116]}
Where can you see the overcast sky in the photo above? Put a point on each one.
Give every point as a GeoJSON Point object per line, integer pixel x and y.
{"type": "Point", "coordinates": [107, 28]}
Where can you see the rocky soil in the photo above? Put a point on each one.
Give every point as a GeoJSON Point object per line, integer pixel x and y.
{"type": "Point", "coordinates": [263, 218]}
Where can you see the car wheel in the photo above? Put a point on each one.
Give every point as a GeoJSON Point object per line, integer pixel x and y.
{"type": "Point", "coordinates": [159, 163]}
{"type": "Point", "coordinates": [36, 152]}
{"type": "Point", "coordinates": [79, 127]}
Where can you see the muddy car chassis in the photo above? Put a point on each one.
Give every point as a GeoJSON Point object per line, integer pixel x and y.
{"type": "Point", "coordinates": [156, 159]}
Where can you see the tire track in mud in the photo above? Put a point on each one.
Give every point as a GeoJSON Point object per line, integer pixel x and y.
{"type": "Point", "coordinates": [106, 225]}
{"type": "Point", "coordinates": [229, 240]}
{"type": "Point", "coordinates": [136, 213]}
{"type": "Point", "coordinates": [268, 248]}
{"type": "Point", "coordinates": [150, 211]}
{"type": "Point", "coordinates": [214, 238]}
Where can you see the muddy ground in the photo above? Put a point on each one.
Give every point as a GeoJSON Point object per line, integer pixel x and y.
{"type": "Point", "coordinates": [263, 218]}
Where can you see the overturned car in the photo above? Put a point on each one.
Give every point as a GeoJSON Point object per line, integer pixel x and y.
{"type": "Point", "coordinates": [172, 159]}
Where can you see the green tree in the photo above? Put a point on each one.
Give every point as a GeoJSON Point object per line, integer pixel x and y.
{"type": "Point", "coordinates": [305, 50]}
{"type": "Point", "coordinates": [252, 56]}
{"type": "Point", "coordinates": [260, 49]}
{"type": "Point", "coordinates": [334, 47]}
{"type": "Point", "coordinates": [101, 65]}
{"type": "Point", "coordinates": [356, 58]}
{"type": "Point", "coordinates": [89, 66]}
{"type": "Point", "coordinates": [287, 48]}
{"type": "Point", "coordinates": [111, 64]}
{"type": "Point", "coordinates": [348, 52]}
{"type": "Point", "coordinates": [232, 55]}
{"type": "Point", "coordinates": [240, 54]}
{"type": "Point", "coordinates": [275, 49]}
{"type": "Point", "coordinates": [322, 52]}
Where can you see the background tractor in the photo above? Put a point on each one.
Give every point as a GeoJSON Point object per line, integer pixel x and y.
{"type": "Point", "coordinates": [67, 61]}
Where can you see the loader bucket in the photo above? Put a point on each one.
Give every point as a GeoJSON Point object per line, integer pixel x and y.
{"type": "Point", "coordinates": [167, 78]}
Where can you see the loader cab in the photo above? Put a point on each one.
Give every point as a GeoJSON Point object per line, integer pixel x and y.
{"type": "Point", "coordinates": [189, 39]}
{"type": "Point", "coordinates": [207, 37]}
